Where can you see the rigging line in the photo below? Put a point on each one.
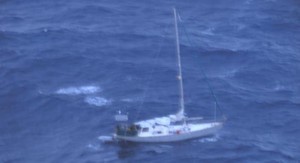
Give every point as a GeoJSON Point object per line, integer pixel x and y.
{"type": "Point", "coordinates": [150, 76]}
{"type": "Point", "coordinates": [203, 73]}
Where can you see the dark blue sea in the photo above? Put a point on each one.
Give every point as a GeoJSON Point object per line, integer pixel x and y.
{"type": "Point", "coordinates": [67, 67]}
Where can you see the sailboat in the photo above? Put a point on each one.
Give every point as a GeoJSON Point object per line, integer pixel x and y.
{"type": "Point", "coordinates": [171, 128]}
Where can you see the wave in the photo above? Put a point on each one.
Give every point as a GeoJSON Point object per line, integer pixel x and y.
{"type": "Point", "coordinates": [280, 87]}
{"type": "Point", "coordinates": [105, 139]}
{"type": "Point", "coordinates": [97, 101]}
{"type": "Point", "coordinates": [127, 100]}
{"type": "Point", "coordinates": [78, 90]}
{"type": "Point", "coordinates": [270, 146]}
{"type": "Point", "coordinates": [208, 139]}
{"type": "Point", "coordinates": [157, 149]}
{"type": "Point", "coordinates": [86, 10]}
{"type": "Point", "coordinates": [94, 147]}
{"type": "Point", "coordinates": [208, 31]}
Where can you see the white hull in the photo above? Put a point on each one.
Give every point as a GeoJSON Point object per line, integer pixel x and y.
{"type": "Point", "coordinates": [173, 137]}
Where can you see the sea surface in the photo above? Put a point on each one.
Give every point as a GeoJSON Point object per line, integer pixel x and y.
{"type": "Point", "coordinates": [67, 67]}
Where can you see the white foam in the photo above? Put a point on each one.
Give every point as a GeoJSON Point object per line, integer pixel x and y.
{"type": "Point", "coordinates": [105, 138]}
{"type": "Point", "coordinates": [279, 87]}
{"type": "Point", "coordinates": [158, 149]}
{"type": "Point", "coordinates": [40, 91]}
{"type": "Point", "coordinates": [295, 100]}
{"type": "Point", "coordinates": [97, 101]}
{"type": "Point", "coordinates": [208, 31]}
{"type": "Point", "coordinates": [208, 139]}
{"type": "Point", "coordinates": [94, 147]}
{"type": "Point", "coordinates": [78, 90]}
{"type": "Point", "coordinates": [229, 73]}
{"type": "Point", "coordinates": [127, 100]}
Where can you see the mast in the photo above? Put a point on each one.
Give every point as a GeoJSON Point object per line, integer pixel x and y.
{"type": "Point", "coordinates": [180, 113]}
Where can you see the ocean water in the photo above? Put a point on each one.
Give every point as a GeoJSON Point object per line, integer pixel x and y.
{"type": "Point", "coordinates": [66, 67]}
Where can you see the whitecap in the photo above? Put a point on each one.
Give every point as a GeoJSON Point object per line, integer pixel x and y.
{"type": "Point", "coordinates": [295, 100]}
{"type": "Point", "coordinates": [97, 101]}
{"type": "Point", "coordinates": [41, 92]}
{"type": "Point", "coordinates": [94, 147]}
{"type": "Point", "coordinates": [78, 90]}
{"type": "Point", "coordinates": [208, 31]}
{"type": "Point", "coordinates": [279, 87]}
{"type": "Point", "coordinates": [209, 139]}
{"type": "Point", "coordinates": [248, 2]}
{"type": "Point", "coordinates": [127, 100]}
{"type": "Point", "coordinates": [105, 139]}
{"type": "Point", "coordinates": [158, 149]}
